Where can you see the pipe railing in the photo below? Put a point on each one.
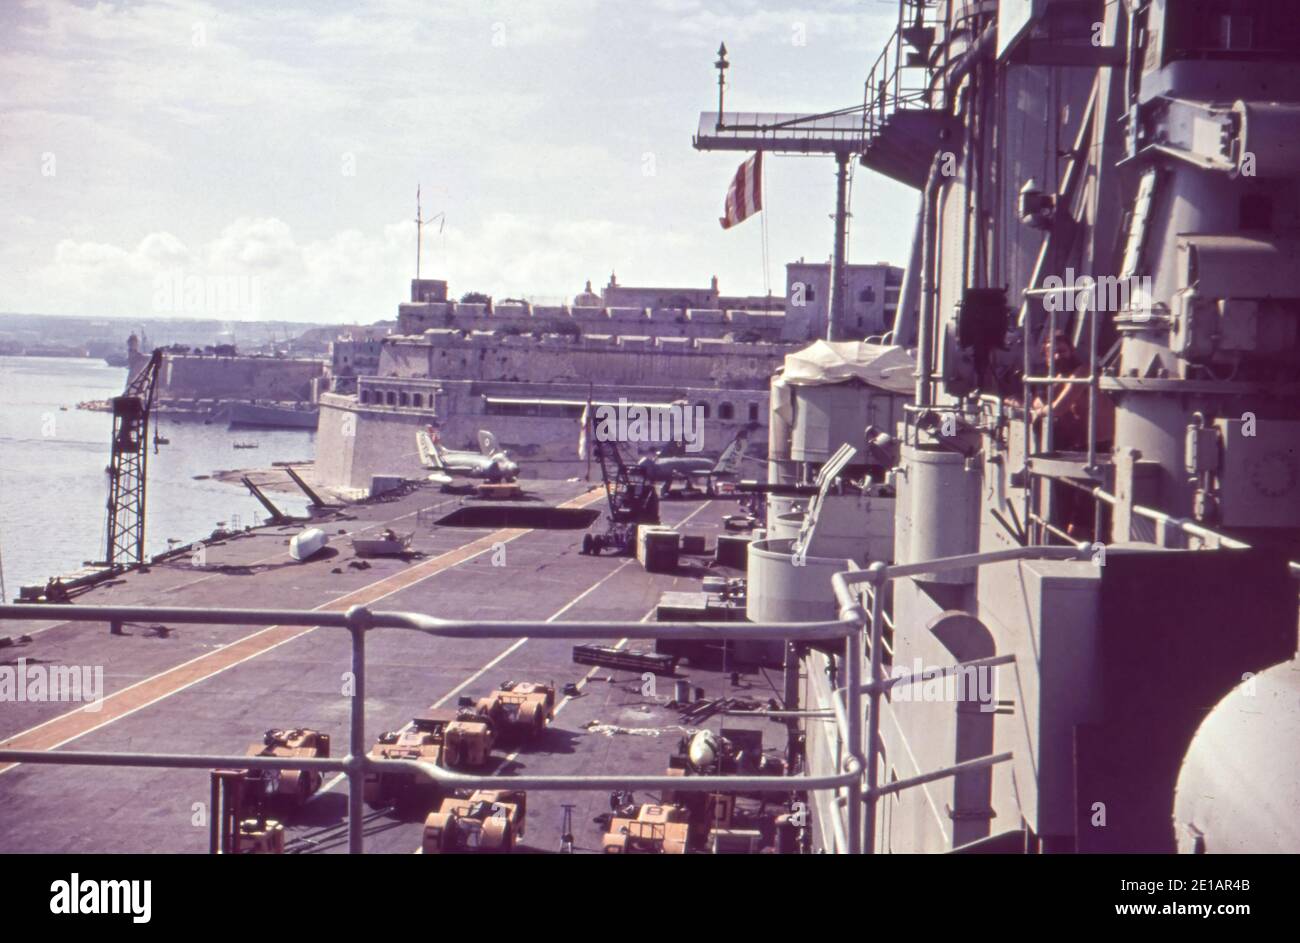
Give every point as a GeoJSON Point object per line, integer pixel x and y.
{"type": "Point", "coordinates": [359, 621]}
{"type": "Point", "coordinates": [885, 90]}
{"type": "Point", "coordinates": [850, 602]}
{"type": "Point", "coordinates": [859, 744]}
{"type": "Point", "coordinates": [1211, 538]}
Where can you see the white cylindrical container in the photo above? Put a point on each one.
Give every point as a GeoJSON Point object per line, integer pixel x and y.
{"type": "Point", "coordinates": [780, 591]}
{"type": "Point", "coordinates": [943, 503]}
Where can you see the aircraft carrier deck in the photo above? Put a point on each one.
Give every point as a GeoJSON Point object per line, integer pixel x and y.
{"type": "Point", "coordinates": [213, 689]}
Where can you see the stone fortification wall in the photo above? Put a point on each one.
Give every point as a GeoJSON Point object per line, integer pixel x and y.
{"type": "Point", "coordinates": [416, 318]}
{"type": "Point", "coordinates": [187, 376]}
{"type": "Point", "coordinates": [697, 362]}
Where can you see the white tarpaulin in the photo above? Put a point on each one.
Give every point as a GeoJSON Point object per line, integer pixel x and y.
{"type": "Point", "coordinates": [823, 362]}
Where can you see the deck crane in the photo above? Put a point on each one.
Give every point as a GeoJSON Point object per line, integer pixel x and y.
{"type": "Point", "coordinates": [630, 494]}
{"type": "Point", "coordinates": [126, 471]}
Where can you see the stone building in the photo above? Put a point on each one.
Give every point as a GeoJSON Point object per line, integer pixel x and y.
{"type": "Point", "coordinates": [872, 290]}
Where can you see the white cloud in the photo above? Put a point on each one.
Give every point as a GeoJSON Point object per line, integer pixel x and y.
{"type": "Point", "coordinates": [349, 275]}
{"type": "Point", "coordinates": [281, 143]}
{"type": "Point", "coordinates": [839, 23]}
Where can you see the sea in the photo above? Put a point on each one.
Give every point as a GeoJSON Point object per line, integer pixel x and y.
{"type": "Point", "coordinates": [53, 485]}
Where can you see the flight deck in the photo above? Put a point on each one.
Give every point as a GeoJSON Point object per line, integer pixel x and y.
{"type": "Point", "coordinates": [218, 689]}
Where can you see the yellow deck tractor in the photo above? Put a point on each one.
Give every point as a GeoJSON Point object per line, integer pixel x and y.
{"type": "Point", "coordinates": [242, 798]}
{"type": "Point", "coordinates": [520, 708]}
{"type": "Point", "coordinates": [451, 739]}
{"type": "Point", "coordinates": [654, 830]}
{"type": "Point", "coordinates": [485, 821]}
{"type": "Point", "coordinates": [291, 786]}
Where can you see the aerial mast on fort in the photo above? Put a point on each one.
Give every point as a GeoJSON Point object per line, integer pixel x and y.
{"type": "Point", "coordinates": [419, 229]}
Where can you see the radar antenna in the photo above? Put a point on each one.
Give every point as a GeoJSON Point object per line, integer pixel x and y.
{"type": "Point", "coordinates": [419, 229]}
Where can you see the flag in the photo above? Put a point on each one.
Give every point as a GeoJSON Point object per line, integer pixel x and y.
{"type": "Point", "coordinates": [745, 195]}
{"type": "Point", "coordinates": [582, 436]}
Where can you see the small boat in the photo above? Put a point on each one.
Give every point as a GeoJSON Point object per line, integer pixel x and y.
{"type": "Point", "coordinates": [245, 445]}
{"type": "Point", "coordinates": [308, 543]}
{"type": "Point", "coordinates": [387, 544]}
{"type": "Point", "coordinates": [161, 440]}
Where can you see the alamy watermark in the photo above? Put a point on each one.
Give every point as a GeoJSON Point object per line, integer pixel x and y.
{"type": "Point", "coordinates": [41, 683]}
{"type": "Point", "coordinates": [176, 292]}
{"type": "Point", "coordinates": [965, 683]}
{"type": "Point", "coordinates": [629, 422]}
{"type": "Point", "coordinates": [1105, 293]}
{"type": "Point", "coordinates": [79, 895]}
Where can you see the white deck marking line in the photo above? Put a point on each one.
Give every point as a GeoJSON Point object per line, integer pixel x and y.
{"type": "Point", "coordinates": [518, 643]}
{"type": "Point", "coordinates": [509, 535]}
{"type": "Point", "coordinates": [513, 646]}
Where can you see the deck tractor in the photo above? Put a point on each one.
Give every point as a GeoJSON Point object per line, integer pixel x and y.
{"type": "Point", "coordinates": [243, 800]}
{"type": "Point", "coordinates": [648, 830]}
{"type": "Point", "coordinates": [451, 739]}
{"type": "Point", "coordinates": [520, 708]}
{"type": "Point", "coordinates": [288, 786]}
{"type": "Point", "coordinates": [485, 821]}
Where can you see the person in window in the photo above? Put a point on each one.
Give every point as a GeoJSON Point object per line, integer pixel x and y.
{"type": "Point", "coordinates": [1070, 402]}
{"type": "Point", "coordinates": [1069, 408]}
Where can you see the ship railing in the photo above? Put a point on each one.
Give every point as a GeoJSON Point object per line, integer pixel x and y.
{"type": "Point", "coordinates": [892, 84]}
{"type": "Point", "coordinates": [359, 621]}
{"type": "Point", "coordinates": [1173, 532]}
{"type": "Point", "coordinates": [1050, 385]}
{"type": "Point", "coordinates": [858, 588]}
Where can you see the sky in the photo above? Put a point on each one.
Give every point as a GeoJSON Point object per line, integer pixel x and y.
{"type": "Point", "coordinates": [260, 160]}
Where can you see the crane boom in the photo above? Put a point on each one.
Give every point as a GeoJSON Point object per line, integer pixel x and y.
{"type": "Point", "coordinates": [129, 464]}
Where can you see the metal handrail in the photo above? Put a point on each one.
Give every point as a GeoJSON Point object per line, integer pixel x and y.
{"type": "Point", "coordinates": [843, 699]}
{"type": "Point", "coordinates": [359, 620]}
{"type": "Point", "coordinates": [884, 92]}
{"type": "Point", "coordinates": [858, 767]}
{"type": "Point", "coordinates": [1189, 528]}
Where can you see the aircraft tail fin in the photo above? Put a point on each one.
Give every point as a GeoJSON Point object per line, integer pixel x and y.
{"type": "Point", "coordinates": [430, 451]}
{"type": "Point", "coordinates": [731, 457]}
{"type": "Point", "coordinates": [487, 442]}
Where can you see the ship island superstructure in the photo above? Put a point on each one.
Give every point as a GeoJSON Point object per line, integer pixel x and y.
{"type": "Point", "coordinates": [1083, 637]}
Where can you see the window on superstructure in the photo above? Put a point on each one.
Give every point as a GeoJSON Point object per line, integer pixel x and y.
{"type": "Point", "coordinates": [726, 411]}
{"type": "Point", "coordinates": [753, 412]}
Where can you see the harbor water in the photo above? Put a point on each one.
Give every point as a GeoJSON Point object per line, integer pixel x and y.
{"type": "Point", "coordinates": [53, 486]}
